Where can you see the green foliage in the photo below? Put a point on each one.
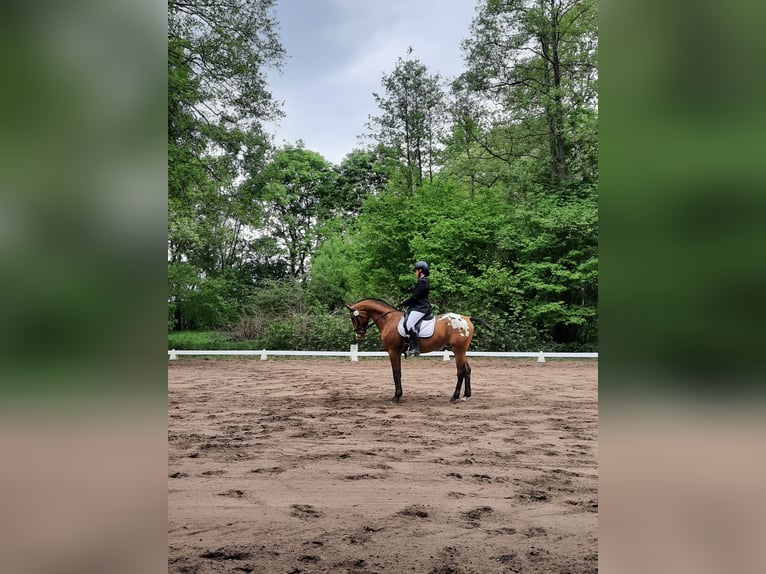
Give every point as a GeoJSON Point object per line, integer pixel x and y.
{"type": "Point", "coordinates": [494, 184]}
{"type": "Point", "coordinates": [411, 121]}
{"type": "Point", "coordinates": [314, 333]}
{"type": "Point", "coordinates": [199, 340]}
{"type": "Point", "coordinates": [217, 56]}
{"type": "Point", "coordinates": [278, 298]}
{"type": "Point", "coordinates": [297, 192]}
{"type": "Point", "coordinates": [285, 315]}
{"type": "Point", "coordinates": [199, 303]}
{"type": "Point", "coordinates": [531, 268]}
{"type": "Point", "coordinates": [362, 173]}
{"type": "Point", "coordinates": [333, 280]}
{"type": "Point", "coordinates": [536, 62]}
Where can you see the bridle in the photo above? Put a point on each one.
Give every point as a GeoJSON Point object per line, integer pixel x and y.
{"type": "Point", "coordinates": [360, 329]}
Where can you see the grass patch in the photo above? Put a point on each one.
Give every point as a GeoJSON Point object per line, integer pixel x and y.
{"type": "Point", "coordinates": [202, 340]}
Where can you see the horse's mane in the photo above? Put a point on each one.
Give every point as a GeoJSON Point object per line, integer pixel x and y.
{"type": "Point", "coordinates": [377, 301]}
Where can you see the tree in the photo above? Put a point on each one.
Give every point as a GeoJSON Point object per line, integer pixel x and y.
{"type": "Point", "coordinates": [411, 119]}
{"type": "Point", "coordinates": [297, 194]}
{"type": "Point", "coordinates": [463, 155]}
{"type": "Point", "coordinates": [551, 248]}
{"type": "Point", "coordinates": [217, 102]}
{"type": "Point", "coordinates": [362, 173]}
{"type": "Point", "coordinates": [224, 46]}
{"type": "Point", "coordinates": [536, 59]}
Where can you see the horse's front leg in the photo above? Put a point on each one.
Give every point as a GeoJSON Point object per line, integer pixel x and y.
{"type": "Point", "coordinates": [456, 394]}
{"type": "Point", "coordinates": [463, 374]}
{"type": "Point", "coordinates": [396, 368]}
{"type": "Point", "coordinates": [467, 371]}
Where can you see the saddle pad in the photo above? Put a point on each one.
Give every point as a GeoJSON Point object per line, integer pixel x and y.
{"type": "Point", "coordinates": [426, 328]}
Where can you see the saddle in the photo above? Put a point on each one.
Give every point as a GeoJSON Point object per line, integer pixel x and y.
{"type": "Point", "coordinates": [424, 327]}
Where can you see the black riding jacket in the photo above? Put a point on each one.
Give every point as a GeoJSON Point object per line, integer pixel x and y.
{"type": "Point", "coordinates": [419, 299]}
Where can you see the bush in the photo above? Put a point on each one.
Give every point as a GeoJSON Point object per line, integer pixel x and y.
{"type": "Point", "coordinates": [197, 340]}
{"type": "Point", "coordinates": [302, 332]}
{"type": "Point", "coordinates": [506, 334]}
{"type": "Point", "coordinates": [207, 304]}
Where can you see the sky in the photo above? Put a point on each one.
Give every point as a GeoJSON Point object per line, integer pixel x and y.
{"type": "Point", "coordinates": [337, 52]}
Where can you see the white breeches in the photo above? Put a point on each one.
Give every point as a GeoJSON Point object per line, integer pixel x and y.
{"type": "Point", "coordinates": [413, 318]}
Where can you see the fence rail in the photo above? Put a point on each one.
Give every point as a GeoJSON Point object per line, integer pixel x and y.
{"type": "Point", "coordinates": [354, 354]}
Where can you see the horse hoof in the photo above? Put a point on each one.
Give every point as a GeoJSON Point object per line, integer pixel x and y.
{"type": "Point", "coordinates": [396, 399]}
{"type": "Point", "coordinates": [464, 399]}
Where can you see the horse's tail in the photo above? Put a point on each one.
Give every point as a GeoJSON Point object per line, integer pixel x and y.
{"type": "Point", "coordinates": [482, 321]}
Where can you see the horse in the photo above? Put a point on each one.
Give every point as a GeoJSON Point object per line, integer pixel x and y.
{"type": "Point", "coordinates": [450, 330]}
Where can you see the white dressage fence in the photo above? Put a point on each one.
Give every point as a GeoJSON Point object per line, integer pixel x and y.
{"type": "Point", "coordinates": [354, 353]}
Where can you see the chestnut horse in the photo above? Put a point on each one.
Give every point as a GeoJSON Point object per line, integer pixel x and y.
{"type": "Point", "coordinates": [450, 330]}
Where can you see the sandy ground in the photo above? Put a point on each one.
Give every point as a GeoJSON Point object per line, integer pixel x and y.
{"type": "Point", "coordinates": [302, 466]}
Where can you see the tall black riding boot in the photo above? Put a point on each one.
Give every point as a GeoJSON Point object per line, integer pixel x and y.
{"type": "Point", "coordinates": [414, 345]}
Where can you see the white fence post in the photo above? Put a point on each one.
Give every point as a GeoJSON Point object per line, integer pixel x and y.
{"type": "Point", "coordinates": [172, 356]}
{"type": "Point", "coordinates": [355, 353]}
{"type": "Point", "coordinates": [446, 356]}
{"type": "Point", "coordinates": [264, 357]}
{"type": "Point", "coordinates": [541, 358]}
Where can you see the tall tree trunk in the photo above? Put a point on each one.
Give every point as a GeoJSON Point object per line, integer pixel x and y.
{"type": "Point", "coordinates": [430, 149]}
{"type": "Point", "coordinates": [549, 43]}
{"type": "Point", "coordinates": [558, 108]}
{"type": "Point", "coordinates": [408, 152]}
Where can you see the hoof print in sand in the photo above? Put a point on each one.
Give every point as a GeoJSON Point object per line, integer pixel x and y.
{"type": "Point", "coordinates": [226, 554]}
{"type": "Point", "coordinates": [305, 511]}
{"type": "Point", "coordinates": [233, 493]}
{"type": "Point", "coordinates": [533, 496]}
{"type": "Point", "coordinates": [478, 513]}
{"type": "Point", "coordinates": [414, 510]}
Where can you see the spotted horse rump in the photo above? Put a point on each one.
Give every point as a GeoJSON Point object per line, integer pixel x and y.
{"type": "Point", "coordinates": [457, 322]}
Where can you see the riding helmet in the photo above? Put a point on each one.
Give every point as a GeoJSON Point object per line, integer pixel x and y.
{"type": "Point", "coordinates": [422, 265]}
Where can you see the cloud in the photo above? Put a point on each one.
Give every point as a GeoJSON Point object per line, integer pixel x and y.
{"type": "Point", "coordinates": [338, 51]}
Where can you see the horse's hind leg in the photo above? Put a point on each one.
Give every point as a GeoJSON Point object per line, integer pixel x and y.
{"type": "Point", "coordinates": [463, 375]}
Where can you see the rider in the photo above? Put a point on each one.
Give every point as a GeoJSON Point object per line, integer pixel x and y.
{"type": "Point", "coordinates": [418, 306]}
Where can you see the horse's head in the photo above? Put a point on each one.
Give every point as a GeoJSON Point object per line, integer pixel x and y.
{"type": "Point", "coordinates": [360, 319]}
